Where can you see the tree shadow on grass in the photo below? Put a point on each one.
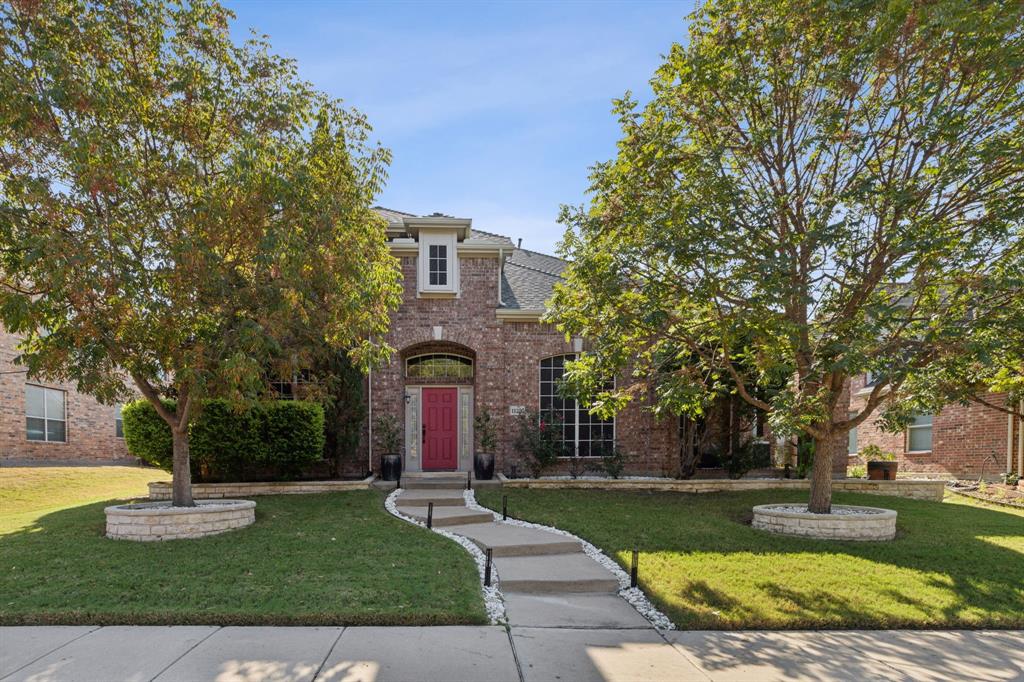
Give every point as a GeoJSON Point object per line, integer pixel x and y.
{"type": "Point", "coordinates": [939, 572]}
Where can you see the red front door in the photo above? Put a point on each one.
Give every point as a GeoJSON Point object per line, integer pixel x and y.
{"type": "Point", "coordinates": [440, 427]}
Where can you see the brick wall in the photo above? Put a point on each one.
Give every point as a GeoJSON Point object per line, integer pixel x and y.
{"type": "Point", "coordinates": [968, 441]}
{"type": "Point", "coordinates": [507, 357]}
{"type": "Point", "coordinates": [90, 425]}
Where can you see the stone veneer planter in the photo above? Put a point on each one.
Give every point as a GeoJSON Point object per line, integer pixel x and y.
{"type": "Point", "coordinates": [915, 489]}
{"type": "Point", "coordinates": [161, 490]}
{"type": "Point", "coordinates": [152, 521]}
{"type": "Point", "coordinates": [846, 522]}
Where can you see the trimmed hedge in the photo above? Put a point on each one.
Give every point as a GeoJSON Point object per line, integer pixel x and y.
{"type": "Point", "coordinates": [272, 440]}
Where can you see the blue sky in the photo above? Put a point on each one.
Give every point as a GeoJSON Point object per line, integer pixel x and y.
{"type": "Point", "coordinates": [494, 111]}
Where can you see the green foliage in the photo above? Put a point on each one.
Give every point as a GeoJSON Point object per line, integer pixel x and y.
{"type": "Point", "coordinates": [146, 435]}
{"type": "Point", "coordinates": [873, 453]}
{"type": "Point", "coordinates": [389, 434]}
{"type": "Point", "coordinates": [749, 455]}
{"type": "Point", "coordinates": [1011, 479]}
{"type": "Point", "coordinates": [804, 457]}
{"type": "Point", "coordinates": [809, 194]}
{"type": "Point", "coordinates": [538, 438]}
{"type": "Point", "coordinates": [294, 435]}
{"type": "Point", "coordinates": [178, 208]}
{"type": "Point", "coordinates": [486, 431]}
{"type": "Point", "coordinates": [265, 441]}
{"type": "Point", "coordinates": [613, 462]}
{"type": "Point", "coordinates": [857, 471]}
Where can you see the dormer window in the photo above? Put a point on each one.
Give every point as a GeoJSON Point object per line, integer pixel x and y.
{"type": "Point", "coordinates": [438, 265]}
{"type": "Point", "coordinates": [438, 270]}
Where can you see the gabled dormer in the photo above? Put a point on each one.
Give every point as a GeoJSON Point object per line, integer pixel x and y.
{"type": "Point", "coordinates": [438, 241]}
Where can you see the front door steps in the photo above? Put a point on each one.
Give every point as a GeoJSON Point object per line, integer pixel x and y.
{"type": "Point", "coordinates": [546, 578]}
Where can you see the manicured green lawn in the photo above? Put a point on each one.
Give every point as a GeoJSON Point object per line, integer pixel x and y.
{"type": "Point", "coordinates": [309, 559]}
{"type": "Point", "coordinates": [952, 564]}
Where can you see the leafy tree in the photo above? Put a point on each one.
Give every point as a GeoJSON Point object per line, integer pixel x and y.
{"type": "Point", "coordinates": [176, 207]}
{"type": "Point", "coordinates": [815, 190]}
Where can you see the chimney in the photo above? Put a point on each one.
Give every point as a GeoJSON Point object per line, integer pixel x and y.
{"type": "Point", "coordinates": [519, 244]}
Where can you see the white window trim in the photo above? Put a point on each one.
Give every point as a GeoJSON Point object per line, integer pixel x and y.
{"type": "Point", "coordinates": [580, 409]}
{"type": "Point", "coordinates": [449, 240]}
{"type": "Point", "coordinates": [46, 416]}
{"type": "Point", "coordinates": [930, 427]}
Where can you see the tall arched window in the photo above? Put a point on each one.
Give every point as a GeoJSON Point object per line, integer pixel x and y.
{"type": "Point", "coordinates": [583, 434]}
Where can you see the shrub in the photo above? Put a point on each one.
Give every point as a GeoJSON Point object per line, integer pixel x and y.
{"type": "Point", "coordinates": [225, 441]}
{"type": "Point", "coordinates": [389, 435]}
{"type": "Point", "coordinates": [613, 462]}
{"type": "Point", "coordinates": [270, 441]}
{"type": "Point", "coordinates": [749, 455]}
{"type": "Point", "coordinates": [486, 431]}
{"type": "Point", "coordinates": [147, 435]}
{"type": "Point", "coordinates": [858, 471]}
{"type": "Point", "coordinates": [538, 438]}
{"type": "Point", "coordinates": [1011, 479]}
{"type": "Point", "coordinates": [294, 435]}
{"type": "Point", "coordinates": [873, 453]}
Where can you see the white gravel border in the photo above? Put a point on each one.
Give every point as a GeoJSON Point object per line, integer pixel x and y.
{"type": "Point", "coordinates": [493, 601]}
{"type": "Point", "coordinates": [636, 598]}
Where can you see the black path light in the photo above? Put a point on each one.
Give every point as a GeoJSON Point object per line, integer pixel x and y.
{"type": "Point", "coordinates": [504, 507]}
{"type": "Point", "coordinates": [430, 514]}
{"type": "Point", "coordinates": [469, 480]}
{"type": "Point", "coordinates": [487, 569]}
{"type": "Point", "coordinates": [633, 567]}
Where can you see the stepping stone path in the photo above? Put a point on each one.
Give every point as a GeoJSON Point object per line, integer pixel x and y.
{"type": "Point", "coordinates": [545, 578]}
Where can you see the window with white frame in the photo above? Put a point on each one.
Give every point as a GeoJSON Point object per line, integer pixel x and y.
{"type": "Point", "coordinates": [583, 434]}
{"type": "Point", "coordinates": [438, 263]}
{"type": "Point", "coordinates": [118, 422]}
{"type": "Point", "coordinates": [439, 366]}
{"type": "Point", "coordinates": [45, 416]}
{"type": "Point", "coordinates": [919, 434]}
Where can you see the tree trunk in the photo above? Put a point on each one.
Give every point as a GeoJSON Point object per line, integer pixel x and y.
{"type": "Point", "coordinates": [821, 475]}
{"type": "Point", "coordinates": [181, 470]}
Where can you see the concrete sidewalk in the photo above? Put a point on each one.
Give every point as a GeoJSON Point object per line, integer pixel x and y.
{"type": "Point", "coordinates": [497, 654]}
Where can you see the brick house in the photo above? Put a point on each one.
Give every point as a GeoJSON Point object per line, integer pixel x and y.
{"type": "Point", "coordinates": [964, 441]}
{"type": "Point", "coordinates": [51, 422]}
{"type": "Point", "coordinates": [469, 338]}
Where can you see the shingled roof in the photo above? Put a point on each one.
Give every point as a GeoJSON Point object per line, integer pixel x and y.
{"type": "Point", "coordinates": [528, 278]}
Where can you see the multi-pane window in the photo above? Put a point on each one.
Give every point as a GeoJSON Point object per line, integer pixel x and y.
{"type": "Point", "coordinates": [439, 366]}
{"type": "Point", "coordinates": [919, 434]}
{"type": "Point", "coordinates": [45, 418]}
{"type": "Point", "coordinates": [118, 422]}
{"type": "Point", "coordinates": [282, 390]}
{"type": "Point", "coordinates": [851, 444]}
{"type": "Point", "coordinates": [583, 434]}
{"type": "Point", "coordinates": [438, 265]}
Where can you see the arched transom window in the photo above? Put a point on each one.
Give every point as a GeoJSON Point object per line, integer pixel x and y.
{"type": "Point", "coordinates": [439, 366]}
{"type": "Point", "coordinates": [583, 434]}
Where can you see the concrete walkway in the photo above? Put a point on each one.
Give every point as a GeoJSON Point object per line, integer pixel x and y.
{"type": "Point", "coordinates": [546, 578]}
{"type": "Point", "coordinates": [494, 654]}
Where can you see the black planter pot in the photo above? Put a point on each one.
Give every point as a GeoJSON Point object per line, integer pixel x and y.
{"type": "Point", "coordinates": [483, 466]}
{"type": "Point", "coordinates": [882, 471]}
{"type": "Point", "coordinates": [390, 467]}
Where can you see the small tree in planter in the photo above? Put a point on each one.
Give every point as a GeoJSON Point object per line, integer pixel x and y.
{"type": "Point", "coordinates": [881, 464]}
{"type": "Point", "coordinates": [389, 438]}
{"type": "Point", "coordinates": [487, 439]}
{"type": "Point", "coordinates": [539, 439]}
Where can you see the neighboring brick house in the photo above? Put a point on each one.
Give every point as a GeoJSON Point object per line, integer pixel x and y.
{"type": "Point", "coordinates": [51, 422]}
{"type": "Point", "coordinates": [469, 337]}
{"type": "Point", "coordinates": [965, 441]}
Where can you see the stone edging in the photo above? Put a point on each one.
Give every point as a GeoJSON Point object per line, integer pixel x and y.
{"type": "Point", "coordinates": [161, 490]}
{"type": "Point", "coordinates": [493, 601]}
{"type": "Point", "coordinates": [153, 521]}
{"type": "Point", "coordinates": [873, 524]}
{"type": "Point", "coordinates": [981, 498]}
{"type": "Point", "coordinates": [918, 489]}
{"type": "Point", "coordinates": [633, 595]}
